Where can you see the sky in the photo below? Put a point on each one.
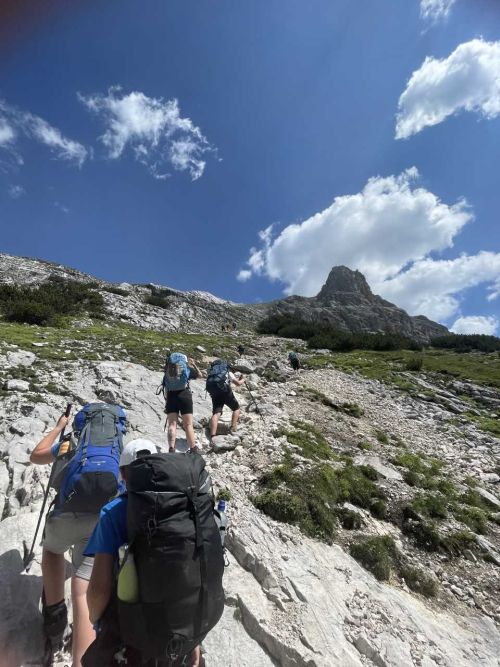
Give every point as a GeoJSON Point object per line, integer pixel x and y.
{"type": "Point", "coordinates": [245, 148]}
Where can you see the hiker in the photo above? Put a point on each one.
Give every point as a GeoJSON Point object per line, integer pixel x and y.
{"type": "Point", "coordinates": [294, 360]}
{"type": "Point", "coordinates": [75, 514]}
{"type": "Point", "coordinates": [178, 397]}
{"type": "Point", "coordinates": [218, 385]}
{"type": "Point", "coordinates": [241, 350]}
{"type": "Point", "coordinates": [163, 563]}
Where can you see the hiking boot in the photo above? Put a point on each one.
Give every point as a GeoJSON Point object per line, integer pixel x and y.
{"type": "Point", "coordinates": [194, 450]}
{"type": "Point", "coordinates": [55, 619]}
{"type": "Point", "coordinates": [171, 450]}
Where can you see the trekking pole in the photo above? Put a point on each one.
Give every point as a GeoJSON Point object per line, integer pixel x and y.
{"type": "Point", "coordinates": [31, 554]}
{"type": "Point", "coordinates": [256, 404]}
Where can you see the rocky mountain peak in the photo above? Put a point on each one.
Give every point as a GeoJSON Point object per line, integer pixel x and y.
{"type": "Point", "coordinates": [343, 279]}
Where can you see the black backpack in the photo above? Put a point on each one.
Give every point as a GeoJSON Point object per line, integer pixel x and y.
{"type": "Point", "coordinates": [178, 555]}
{"type": "Point", "coordinates": [218, 377]}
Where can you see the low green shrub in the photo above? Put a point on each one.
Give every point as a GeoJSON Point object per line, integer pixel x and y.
{"type": "Point", "coordinates": [376, 554]}
{"type": "Point", "coordinates": [382, 437]}
{"type": "Point", "coordinates": [415, 363]}
{"type": "Point", "coordinates": [418, 581]}
{"type": "Point", "coordinates": [456, 543]}
{"type": "Point", "coordinates": [432, 505]}
{"type": "Point", "coordinates": [224, 494]}
{"type": "Point", "coordinates": [49, 303]}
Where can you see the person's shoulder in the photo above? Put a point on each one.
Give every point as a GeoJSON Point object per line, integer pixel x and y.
{"type": "Point", "coordinates": [115, 506]}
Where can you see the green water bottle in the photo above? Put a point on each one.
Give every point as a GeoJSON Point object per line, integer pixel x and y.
{"type": "Point", "coordinates": [128, 581]}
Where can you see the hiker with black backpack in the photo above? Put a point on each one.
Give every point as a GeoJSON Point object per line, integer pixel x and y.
{"type": "Point", "coordinates": [294, 360]}
{"type": "Point", "coordinates": [218, 385]}
{"type": "Point", "coordinates": [156, 587]}
{"type": "Point", "coordinates": [178, 396]}
{"type": "Point", "coordinates": [85, 474]}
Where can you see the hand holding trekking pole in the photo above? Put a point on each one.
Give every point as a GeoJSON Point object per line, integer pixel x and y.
{"type": "Point", "coordinates": [63, 448]}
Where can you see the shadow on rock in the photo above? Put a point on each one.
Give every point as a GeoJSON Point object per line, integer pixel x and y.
{"type": "Point", "coordinates": [21, 638]}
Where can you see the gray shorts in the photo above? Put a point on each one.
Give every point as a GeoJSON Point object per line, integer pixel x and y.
{"type": "Point", "coordinates": [70, 530]}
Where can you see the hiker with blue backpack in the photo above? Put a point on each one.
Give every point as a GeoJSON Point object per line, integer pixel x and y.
{"type": "Point", "coordinates": [156, 587]}
{"type": "Point", "coordinates": [178, 397]}
{"type": "Point", "coordinates": [85, 475]}
{"type": "Point", "coordinates": [218, 385]}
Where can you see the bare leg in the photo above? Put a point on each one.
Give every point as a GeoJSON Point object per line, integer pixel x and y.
{"type": "Point", "coordinates": [234, 420]}
{"type": "Point", "coordinates": [83, 632]}
{"type": "Point", "coordinates": [213, 424]}
{"type": "Point", "coordinates": [187, 423]}
{"type": "Point", "coordinates": [53, 572]}
{"type": "Point", "coordinates": [172, 429]}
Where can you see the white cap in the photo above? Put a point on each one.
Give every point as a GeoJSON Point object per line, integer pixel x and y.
{"type": "Point", "coordinates": [133, 447]}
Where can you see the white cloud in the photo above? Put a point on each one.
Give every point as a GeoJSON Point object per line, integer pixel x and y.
{"type": "Point", "coordinates": [65, 149]}
{"type": "Point", "coordinates": [16, 191]}
{"type": "Point", "coordinates": [434, 287]}
{"type": "Point", "coordinates": [434, 10]}
{"type": "Point", "coordinates": [244, 275]}
{"type": "Point", "coordinates": [476, 324]}
{"type": "Point", "coordinates": [388, 231]}
{"type": "Point", "coordinates": [7, 133]}
{"type": "Point", "coordinates": [468, 80]}
{"type": "Point", "coordinates": [153, 128]}
{"type": "Point", "coordinates": [16, 124]}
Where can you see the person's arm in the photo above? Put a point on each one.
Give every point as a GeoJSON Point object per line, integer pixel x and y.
{"type": "Point", "coordinates": [237, 381]}
{"type": "Point", "coordinates": [195, 372]}
{"type": "Point", "coordinates": [42, 453]}
{"type": "Point", "coordinates": [100, 585]}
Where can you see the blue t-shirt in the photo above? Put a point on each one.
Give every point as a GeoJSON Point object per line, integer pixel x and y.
{"type": "Point", "coordinates": [111, 529]}
{"type": "Point", "coordinates": [55, 449]}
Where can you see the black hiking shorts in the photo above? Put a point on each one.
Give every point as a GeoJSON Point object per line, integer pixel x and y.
{"type": "Point", "coordinates": [222, 398]}
{"type": "Point", "coordinates": [180, 401]}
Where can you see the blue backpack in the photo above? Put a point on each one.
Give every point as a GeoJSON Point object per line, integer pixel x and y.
{"type": "Point", "coordinates": [176, 376]}
{"type": "Point", "coordinates": [87, 477]}
{"type": "Point", "coordinates": [218, 377]}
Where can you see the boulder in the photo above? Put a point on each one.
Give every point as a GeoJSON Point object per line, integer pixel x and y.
{"type": "Point", "coordinates": [20, 358]}
{"type": "Point", "coordinates": [488, 497]}
{"type": "Point", "coordinates": [243, 365]}
{"type": "Point", "coordinates": [225, 443]}
{"type": "Point", "coordinates": [17, 385]}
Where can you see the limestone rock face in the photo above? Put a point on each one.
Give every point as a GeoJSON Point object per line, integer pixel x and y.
{"type": "Point", "coordinates": [345, 301]}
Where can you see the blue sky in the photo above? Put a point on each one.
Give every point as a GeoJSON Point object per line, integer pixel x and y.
{"type": "Point", "coordinates": [305, 134]}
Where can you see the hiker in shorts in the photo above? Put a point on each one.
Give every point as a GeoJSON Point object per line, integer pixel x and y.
{"type": "Point", "coordinates": [181, 402]}
{"type": "Point", "coordinates": [241, 350]}
{"type": "Point", "coordinates": [64, 531]}
{"type": "Point", "coordinates": [223, 395]}
{"type": "Point", "coordinates": [109, 535]}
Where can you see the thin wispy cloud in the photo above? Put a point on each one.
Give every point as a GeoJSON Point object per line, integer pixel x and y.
{"type": "Point", "coordinates": [435, 10]}
{"type": "Point", "coordinates": [390, 231]}
{"type": "Point", "coordinates": [476, 324]}
{"type": "Point", "coordinates": [61, 207]}
{"type": "Point", "coordinates": [16, 191]}
{"type": "Point", "coordinates": [152, 129]}
{"type": "Point", "coordinates": [468, 80]}
{"type": "Point", "coordinates": [17, 126]}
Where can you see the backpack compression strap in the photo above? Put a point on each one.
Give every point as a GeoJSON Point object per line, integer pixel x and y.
{"type": "Point", "coordinates": [192, 493]}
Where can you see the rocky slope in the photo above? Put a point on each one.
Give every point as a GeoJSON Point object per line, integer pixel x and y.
{"type": "Point", "coordinates": [290, 599]}
{"type": "Point", "coordinates": [345, 301]}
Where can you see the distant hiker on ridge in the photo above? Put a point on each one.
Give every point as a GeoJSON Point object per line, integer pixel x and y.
{"type": "Point", "coordinates": [294, 360]}
{"type": "Point", "coordinates": [179, 399]}
{"type": "Point", "coordinates": [218, 385]}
